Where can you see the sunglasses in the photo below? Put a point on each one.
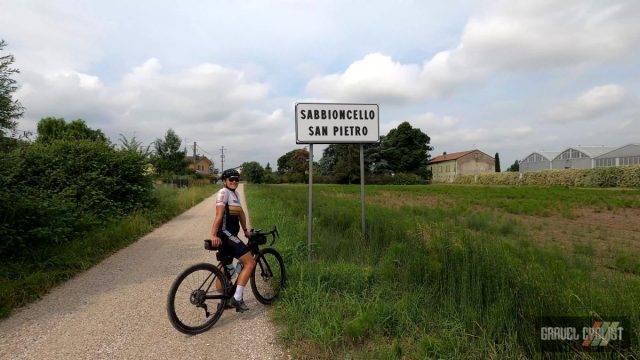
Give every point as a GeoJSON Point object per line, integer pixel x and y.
{"type": "Point", "coordinates": [234, 179]}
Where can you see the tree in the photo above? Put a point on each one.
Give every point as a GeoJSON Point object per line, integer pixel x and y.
{"type": "Point", "coordinates": [294, 166]}
{"type": "Point", "coordinates": [268, 168]}
{"type": "Point", "coordinates": [168, 157]}
{"type": "Point", "coordinates": [10, 109]}
{"type": "Point", "coordinates": [342, 161]}
{"type": "Point", "coordinates": [51, 129]}
{"type": "Point", "coordinates": [295, 161]}
{"type": "Point", "coordinates": [373, 159]}
{"type": "Point", "coordinates": [497, 162]}
{"type": "Point", "coordinates": [134, 145]}
{"type": "Point", "coordinates": [253, 172]}
{"type": "Point", "coordinates": [406, 149]}
{"type": "Point", "coordinates": [515, 167]}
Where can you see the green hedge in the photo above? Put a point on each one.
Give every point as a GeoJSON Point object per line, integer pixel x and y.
{"type": "Point", "coordinates": [621, 176]}
{"type": "Point", "coordinates": [50, 192]}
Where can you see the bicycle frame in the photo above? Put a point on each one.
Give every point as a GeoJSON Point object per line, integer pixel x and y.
{"type": "Point", "coordinates": [255, 251]}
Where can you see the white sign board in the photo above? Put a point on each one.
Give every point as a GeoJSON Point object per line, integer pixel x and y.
{"type": "Point", "coordinates": [326, 123]}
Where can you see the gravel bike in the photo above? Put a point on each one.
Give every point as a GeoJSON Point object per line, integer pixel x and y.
{"type": "Point", "coordinates": [199, 295]}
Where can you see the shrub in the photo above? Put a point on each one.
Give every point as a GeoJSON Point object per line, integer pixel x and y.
{"type": "Point", "coordinates": [622, 176]}
{"type": "Point", "coordinates": [50, 191]}
{"type": "Point", "coordinates": [630, 176]}
{"type": "Point", "coordinates": [271, 178]}
{"type": "Point", "coordinates": [293, 177]}
{"type": "Point", "coordinates": [407, 179]}
{"type": "Point", "coordinates": [379, 179]}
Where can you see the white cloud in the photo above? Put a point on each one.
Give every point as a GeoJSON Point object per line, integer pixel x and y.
{"type": "Point", "coordinates": [209, 103]}
{"type": "Point", "coordinates": [51, 35]}
{"type": "Point", "coordinates": [508, 36]}
{"type": "Point", "coordinates": [594, 103]}
{"type": "Point", "coordinates": [376, 76]}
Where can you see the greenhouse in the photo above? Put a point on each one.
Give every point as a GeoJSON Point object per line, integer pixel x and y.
{"type": "Point", "coordinates": [582, 157]}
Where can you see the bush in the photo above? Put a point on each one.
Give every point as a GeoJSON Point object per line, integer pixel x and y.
{"type": "Point", "coordinates": [271, 178]}
{"type": "Point", "coordinates": [379, 179]}
{"type": "Point", "coordinates": [621, 176]}
{"type": "Point", "coordinates": [407, 179]}
{"type": "Point", "coordinates": [51, 191]}
{"type": "Point", "coordinates": [293, 177]}
{"type": "Point", "coordinates": [630, 177]}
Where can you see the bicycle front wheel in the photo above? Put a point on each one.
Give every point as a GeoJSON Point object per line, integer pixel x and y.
{"type": "Point", "coordinates": [197, 298]}
{"type": "Point", "coordinates": [268, 277]}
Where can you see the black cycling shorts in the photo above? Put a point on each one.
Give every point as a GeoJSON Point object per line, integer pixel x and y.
{"type": "Point", "coordinates": [232, 245]}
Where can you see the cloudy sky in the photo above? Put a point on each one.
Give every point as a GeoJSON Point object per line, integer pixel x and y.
{"type": "Point", "coordinates": [502, 76]}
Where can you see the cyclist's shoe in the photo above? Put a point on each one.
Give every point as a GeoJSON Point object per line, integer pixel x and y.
{"type": "Point", "coordinates": [239, 305]}
{"type": "Point", "coordinates": [226, 306]}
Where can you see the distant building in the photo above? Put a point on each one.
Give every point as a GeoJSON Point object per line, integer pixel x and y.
{"type": "Point", "coordinates": [582, 157]}
{"type": "Point", "coordinates": [539, 160]}
{"type": "Point", "coordinates": [200, 164]}
{"type": "Point", "coordinates": [625, 155]}
{"type": "Point", "coordinates": [445, 167]}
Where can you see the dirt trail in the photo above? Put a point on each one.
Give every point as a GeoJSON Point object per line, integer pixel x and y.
{"type": "Point", "coordinates": [117, 308]}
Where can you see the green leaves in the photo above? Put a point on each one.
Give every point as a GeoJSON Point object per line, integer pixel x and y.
{"type": "Point", "coordinates": [169, 158]}
{"type": "Point", "coordinates": [56, 189]}
{"type": "Point", "coordinates": [253, 172]}
{"type": "Point", "coordinates": [10, 109]}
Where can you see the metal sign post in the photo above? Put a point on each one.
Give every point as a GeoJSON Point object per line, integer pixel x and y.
{"type": "Point", "coordinates": [329, 123]}
{"type": "Point", "coordinates": [364, 233]}
{"type": "Point", "coordinates": [310, 215]}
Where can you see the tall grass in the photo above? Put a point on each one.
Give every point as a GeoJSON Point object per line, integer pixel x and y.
{"type": "Point", "coordinates": [426, 282]}
{"type": "Point", "coordinates": [29, 278]}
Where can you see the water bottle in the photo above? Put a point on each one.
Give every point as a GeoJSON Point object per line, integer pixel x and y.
{"type": "Point", "coordinates": [231, 269]}
{"type": "Point", "coordinates": [238, 268]}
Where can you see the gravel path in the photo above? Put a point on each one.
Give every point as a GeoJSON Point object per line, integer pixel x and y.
{"type": "Point", "coordinates": [117, 308]}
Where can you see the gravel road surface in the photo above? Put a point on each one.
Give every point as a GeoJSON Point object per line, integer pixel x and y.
{"type": "Point", "coordinates": [116, 310]}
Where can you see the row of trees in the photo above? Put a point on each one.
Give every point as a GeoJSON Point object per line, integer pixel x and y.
{"type": "Point", "coordinates": [400, 156]}
{"type": "Point", "coordinates": [164, 155]}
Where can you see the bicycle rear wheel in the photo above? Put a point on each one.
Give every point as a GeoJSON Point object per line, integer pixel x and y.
{"type": "Point", "coordinates": [189, 309]}
{"type": "Point", "coordinates": [268, 277]}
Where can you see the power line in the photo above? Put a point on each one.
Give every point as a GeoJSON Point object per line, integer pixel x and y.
{"type": "Point", "coordinates": [205, 151]}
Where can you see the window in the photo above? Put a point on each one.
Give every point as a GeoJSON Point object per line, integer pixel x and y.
{"type": "Point", "coordinates": [605, 162]}
{"type": "Point", "coordinates": [630, 160]}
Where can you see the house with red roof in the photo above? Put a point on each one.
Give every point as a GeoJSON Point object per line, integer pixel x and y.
{"type": "Point", "coordinates": [445, 167]}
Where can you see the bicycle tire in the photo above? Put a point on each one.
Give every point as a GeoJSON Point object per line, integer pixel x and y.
{"type": "Point", "coordinates": [176, 322]}
{"type": "Point", "coordinates": [261, 265]}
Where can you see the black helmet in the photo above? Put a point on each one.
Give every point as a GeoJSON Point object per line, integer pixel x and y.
{"type": "Point", "coordinates": [229, 173]}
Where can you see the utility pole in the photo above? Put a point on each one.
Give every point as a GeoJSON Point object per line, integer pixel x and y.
{"type": "Point", "coordinates": [222, 159]}
{"type": "Point", "coordinates": [194, 151]}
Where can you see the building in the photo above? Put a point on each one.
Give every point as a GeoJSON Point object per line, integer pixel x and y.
{"type": "Point", "coordinates": [445, 167]}
{"type": "Point", "coordinates": [579, 157]}
{"type": "Point", "coordinates": [625, 155]}
{"type": "Point", "coordinates": [582, 157]}
{"type": "Point", "coordinates": [200, 164]}
{"type": "Point", "coordinates": [539, 160]}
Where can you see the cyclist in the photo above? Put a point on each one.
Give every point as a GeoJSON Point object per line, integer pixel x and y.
{"type": "Point", "coordinates": [224, 232]}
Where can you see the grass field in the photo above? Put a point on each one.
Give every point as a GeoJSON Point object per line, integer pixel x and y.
{"type": "Point", "coordinates": [49, 265]}
{"type": "Point", "coordinates": [448, 271]}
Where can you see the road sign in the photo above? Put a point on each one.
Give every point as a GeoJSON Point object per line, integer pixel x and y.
{"type": "Point", "coordinates": [329, 123]}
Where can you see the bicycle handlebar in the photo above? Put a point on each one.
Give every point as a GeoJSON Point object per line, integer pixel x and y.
{"type": "Point", "coordinates": [274, 233]}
